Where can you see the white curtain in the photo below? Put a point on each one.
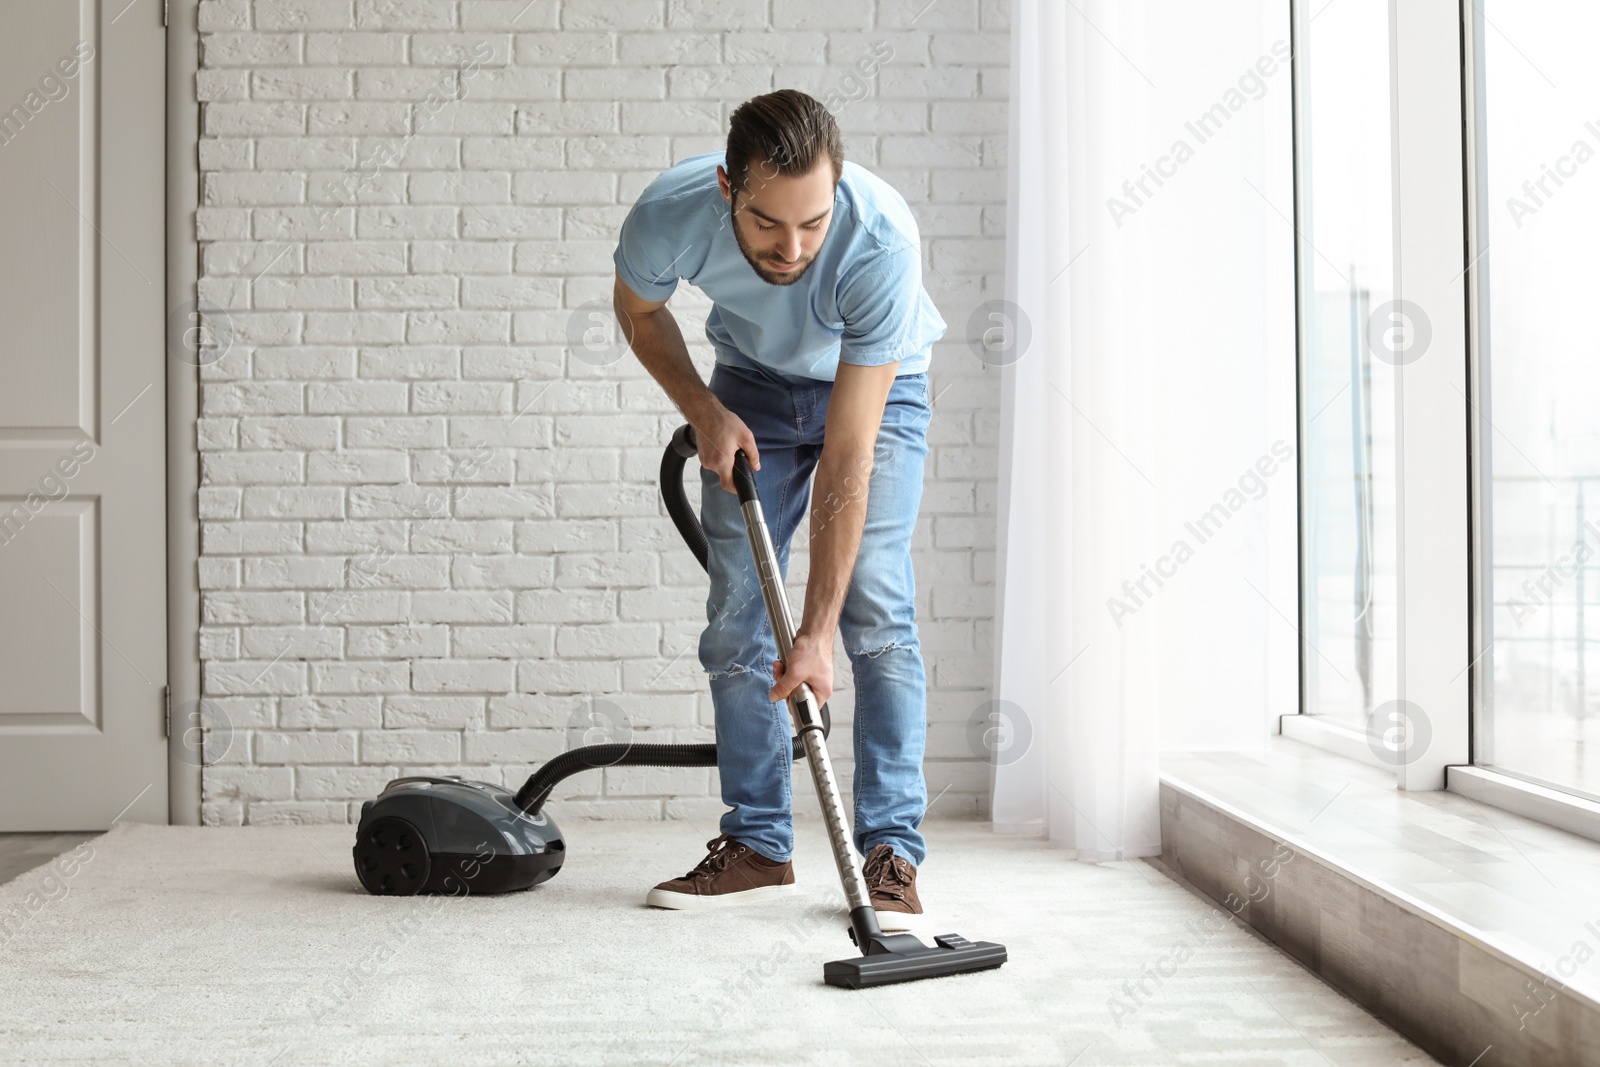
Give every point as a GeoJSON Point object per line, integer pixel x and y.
{"type": "Point", "coordinates": [1151, 361]}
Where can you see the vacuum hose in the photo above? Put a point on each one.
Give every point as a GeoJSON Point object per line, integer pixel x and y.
{"type": "Point", "coordinates": [536, 790]}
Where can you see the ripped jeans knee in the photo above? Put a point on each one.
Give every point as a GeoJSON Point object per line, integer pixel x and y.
{"type": "Point", "coordinates": [732, 669]}
{"type": "Point", "coordinates": [874, 653]}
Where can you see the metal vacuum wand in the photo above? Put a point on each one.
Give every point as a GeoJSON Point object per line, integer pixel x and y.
{"type": "Point", "coordinates": [803, 704]}
{"type": "Point", "coordinates": [884, 957]}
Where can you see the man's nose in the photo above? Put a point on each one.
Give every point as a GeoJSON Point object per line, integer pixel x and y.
{"type": "Point", "coordinates": [789, 247]}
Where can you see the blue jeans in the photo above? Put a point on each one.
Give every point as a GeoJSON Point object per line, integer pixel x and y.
{"type": "Point", "coordinates": [877, 622]}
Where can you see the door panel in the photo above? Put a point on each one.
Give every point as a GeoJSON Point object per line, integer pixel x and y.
{"type": "Point", "coordinates": [82, 415]}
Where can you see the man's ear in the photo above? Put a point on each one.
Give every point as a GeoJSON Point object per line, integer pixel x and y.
{"type": "Point", "coordinates": [722, 184]}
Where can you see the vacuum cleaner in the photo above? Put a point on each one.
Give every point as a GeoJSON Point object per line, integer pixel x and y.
{"type": "Point", "coordinates": [447, 834]}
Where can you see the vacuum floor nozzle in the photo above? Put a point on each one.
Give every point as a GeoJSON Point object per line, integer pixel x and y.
{"type": "Point", "coordinates": [888, 958]}
{"type": "Point", "coordinates": [909, 959]}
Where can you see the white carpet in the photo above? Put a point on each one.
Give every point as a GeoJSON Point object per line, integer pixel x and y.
{"type": "Point", "coordinates": [255, 945]}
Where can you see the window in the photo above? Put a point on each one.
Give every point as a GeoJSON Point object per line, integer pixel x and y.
{"type": "Point", "coordinates": [1447, 190]}
{"type": "Point", "coordinates": [1382, 233]}
{"type": "Point", "coordinates": [1537, 697]}
{"type": "Point", "coordinates": [1347, 412]}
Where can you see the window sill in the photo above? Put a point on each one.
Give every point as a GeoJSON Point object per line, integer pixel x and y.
{"type": "Point", "coordinates": [1574, 814]}
{"type": "Point", "coordinates": [1331, 736]}
{"type": "Point", "coordinates": [1458, 923]}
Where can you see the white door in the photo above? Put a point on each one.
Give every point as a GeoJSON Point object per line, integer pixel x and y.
{"type": "Point", "coordinates": [82, 412]}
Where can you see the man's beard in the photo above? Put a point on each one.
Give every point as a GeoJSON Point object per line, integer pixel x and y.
{"type": "Point", "coordinates": [771, 277]}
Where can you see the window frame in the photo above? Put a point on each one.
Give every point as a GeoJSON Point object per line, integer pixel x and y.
{"type": "Point", "coordinates": [1433, 502]}
{"type": "Point", "coordinates": [1444, 446]}
{"type": "Point", "coordinates": [1507, 790]}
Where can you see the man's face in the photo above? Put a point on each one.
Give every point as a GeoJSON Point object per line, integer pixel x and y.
{"type": "Point", "coordinates": [780, 220]}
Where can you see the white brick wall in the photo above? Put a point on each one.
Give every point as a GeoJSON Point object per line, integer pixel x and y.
{"type": "Point", "coordinates": [431, 534]}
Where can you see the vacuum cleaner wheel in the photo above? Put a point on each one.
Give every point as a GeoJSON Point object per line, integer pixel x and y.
{"type": "Point", "coordinates": [392, 858]}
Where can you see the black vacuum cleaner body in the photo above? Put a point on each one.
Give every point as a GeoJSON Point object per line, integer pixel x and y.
{"type": "Point", "coordinates": [449, 835]}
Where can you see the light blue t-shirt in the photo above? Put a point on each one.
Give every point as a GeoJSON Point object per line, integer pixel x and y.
{"type": "Point", "coordinates": [861, 301]}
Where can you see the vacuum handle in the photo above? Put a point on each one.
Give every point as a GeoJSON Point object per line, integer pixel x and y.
{"type": "Point", "coordinates": [744, 479]}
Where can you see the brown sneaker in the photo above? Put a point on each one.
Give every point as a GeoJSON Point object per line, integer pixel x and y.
{"type": "Point", "coordinates": [892, 887]}
{"type": "Point", "coordinates": [731, 873]}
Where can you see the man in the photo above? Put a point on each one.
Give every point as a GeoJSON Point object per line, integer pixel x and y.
{"type": "Point", "coordinates": [823, 336]}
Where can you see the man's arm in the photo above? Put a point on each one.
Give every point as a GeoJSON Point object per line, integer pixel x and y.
{"type": "Point", "coordinates": [880, 302]}
{"type": "Point", "coordinates": [838, 516]}
{"type": "Point", "coordinates": [839, 495]}
{"type": "Point", "coordinates": [652, 332]}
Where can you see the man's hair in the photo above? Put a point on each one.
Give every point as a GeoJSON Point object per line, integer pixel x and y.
{"type": "Point", "coordinates": [780, 133]}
